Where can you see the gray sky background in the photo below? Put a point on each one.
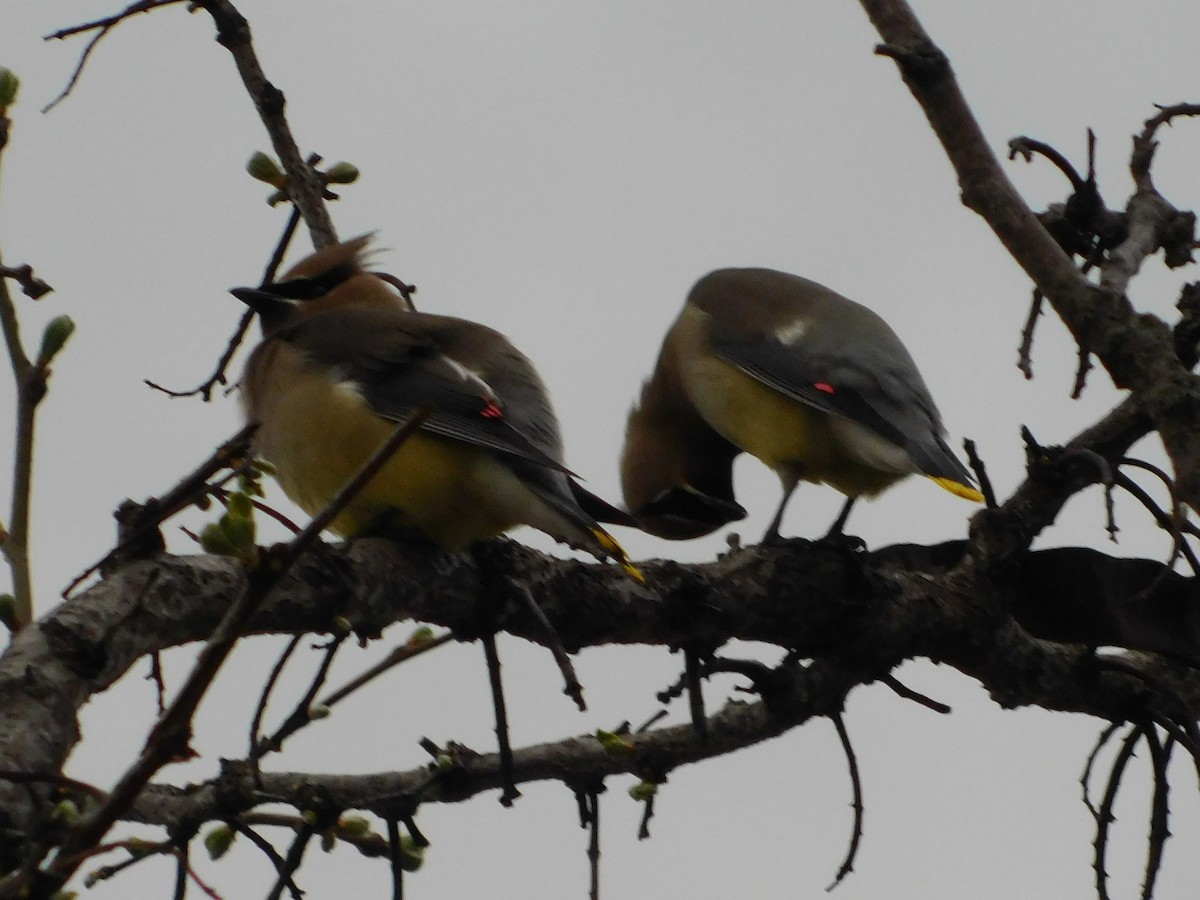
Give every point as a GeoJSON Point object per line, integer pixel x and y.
{"type": "Point", "coordinates": [564, 171]}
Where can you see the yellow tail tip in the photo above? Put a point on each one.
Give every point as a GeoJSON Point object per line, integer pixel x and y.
{"type": "Point", "coordinates": [958, 489]}
{"type": "Point", "coordinates": [609, 545]}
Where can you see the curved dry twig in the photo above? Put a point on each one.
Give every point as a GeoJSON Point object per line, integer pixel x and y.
{"type": "Point", "coordinates": [856, 804]}
{"type": "Point", "coordinates": [102, 27]}
{"type": "Point", "coordinates": [1105, 815]}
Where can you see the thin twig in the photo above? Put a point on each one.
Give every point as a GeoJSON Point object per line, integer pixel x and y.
{"type": "Point", "coordinates": [399, 654]}
{"type": "Point", "coordinates": [1105, 816]}
{"type": "Point", "coordinates": [647, 814]}
{"type": "Point", "coordinates": [291, 864]}
{"type": "Point", "coordinates": [181, 872]}
{"type": "Point", "coordinates": [1176, 522]}
{"type": "Point", "coordinates": [102, 28]}
{"type": "Point", "coordinates": [1086, 778]}
{"type": "Point", "coordinates": [847, 865]}
{"type": "Point", "coordinates": [1025, 351]}
{"type": "Point", "coordinates": [206, 388]}
{"type": "Point", "coordinates": [571, 686]}
{"type": "Point", "coordinates": [1026, 147]}
{"type": "Point", "coordinates": [909, 694]}
{"type": "Point", "coordinates": [1165, 521]}
{"type": "Point", "coordinates": [1081, 372]}
{"type": "Point", "coordinates": [256, 741]}
{"type": "Point", "coordinates": [509, 792]}
{"type": "Point", "coordinates": [1160, 811]}
{"type": "Point", "coordinates": [31, 286]}
{"type": "Point", "coordinates": [156, 675]}
{"type": "Point", "coordinates": [269, 851]}
{"type": "Point", "coordinates": [593, 851]}
{"type": "Point", "coordinates": [393, 829]}
{"type": "Point", "coordinates": [980, 470]}
{"type": "Point", "coordinates": [302, 714]}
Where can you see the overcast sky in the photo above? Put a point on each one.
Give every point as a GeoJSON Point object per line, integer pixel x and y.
{"type": "Point", "coordinates": [564, 171]}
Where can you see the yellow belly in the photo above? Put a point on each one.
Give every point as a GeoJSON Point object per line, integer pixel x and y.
{"type": "Point", "coordinates": [789, 436]}
{"type": "Point", "coordinates": [317, 436]}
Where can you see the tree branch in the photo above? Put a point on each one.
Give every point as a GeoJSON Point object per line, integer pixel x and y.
{"type": "Point", "coordinates": [1136, 350]}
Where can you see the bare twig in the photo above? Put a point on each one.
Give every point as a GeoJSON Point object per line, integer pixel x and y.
{"type": "Point", "coordinates": [1160, 812]}
{"type": "Point", "coordinates": [847, 865]}
{"type": "Point", "coordinates": [31, 286]}
{"type": "Point", "coordinates": [291, 863]}
{"type": "Point", "coordinates": [400, 654]}
{"type": "Point", "coordinates": [1025, 351]}
{"type": "Point", "coordinates": [393, 828]}
{"type": "Point", "coordinates": [508, 792]}
{"type": "Point", "coordinates": [571, 686]}
{"type": "Point", "coordinates": [1165, 521]}
{"type": "Point", "coordinates": [270, 852]}
{"type": "Point", "coordinates": [1104, 817]}
{"type": "Point", "coordinates": [980, 470]}
{"type": "Point", "coordinates": [647, 814]}
{"type": "Point", "coordinates": [593, 851]}
{"type": "Point", "coordinates": [102, 27]}
{"type": "Point", "coordinates": [1026, 147]}
{"type": "Point", "coordinates": [909, 694]}
{"type": "Point", "coordinates": [1082, 368]}
{"type": "Point", "coordinates": [205, 389]}
{"type": "Point", "coordinates": [256, 739]}
{"type": "Point", "coordinates": [302, 714]}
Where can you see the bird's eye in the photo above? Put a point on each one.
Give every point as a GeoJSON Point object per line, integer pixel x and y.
{"type": "Point", "coordinates": [312, 288]}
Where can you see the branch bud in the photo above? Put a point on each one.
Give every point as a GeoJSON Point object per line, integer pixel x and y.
{"type": "Point", "coordinates": [411, 854]}
{"type": "Point", "coordinates": [9, 85]}
{"type": "Point", "coordinates": [54, 338]}
{"type": "Point", "coordinates": [614, 744]}
{"type": "Point", "coordinates": [342, 173]}
{"type": "Point", "coordinates": [354, 826]}
{"type": "Point", "coordinates": [263, 168]}
{"type": "Point", "coordinates": [218, 841]}
{"type": "Point", "coordinates": [643, 791]}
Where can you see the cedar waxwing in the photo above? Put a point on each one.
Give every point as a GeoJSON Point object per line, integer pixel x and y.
{"type": "Point", "coordinates": [344, 359]}
{"type": "Point", "coordinates": [816, 386]}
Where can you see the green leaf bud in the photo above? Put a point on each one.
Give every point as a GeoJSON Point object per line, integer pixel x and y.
{"type": "Point", "coordinates": [218, 841]}
{"type": "Point", "coordinates": [264, 168]}
{"type": "Point", "coordinates": [354, 826]}
{"type": "Point", "coordinates": [643, 791]}
{"type": "Point", "coordinates": [9, 85]}
{"type": "Point", "coordinates": [411, 854]}
{"type": "Point", "coordinates": [342, 173]}
{"type": "Point", "coordinates": [614, 744]}
{"type": "Point", "coordinates": [214, 540]}
{"type": "Point", "coordinates": [59, 329]}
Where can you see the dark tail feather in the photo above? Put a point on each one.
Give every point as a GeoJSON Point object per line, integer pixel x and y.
{"type": "Point", "coordinates": [598, 509]}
